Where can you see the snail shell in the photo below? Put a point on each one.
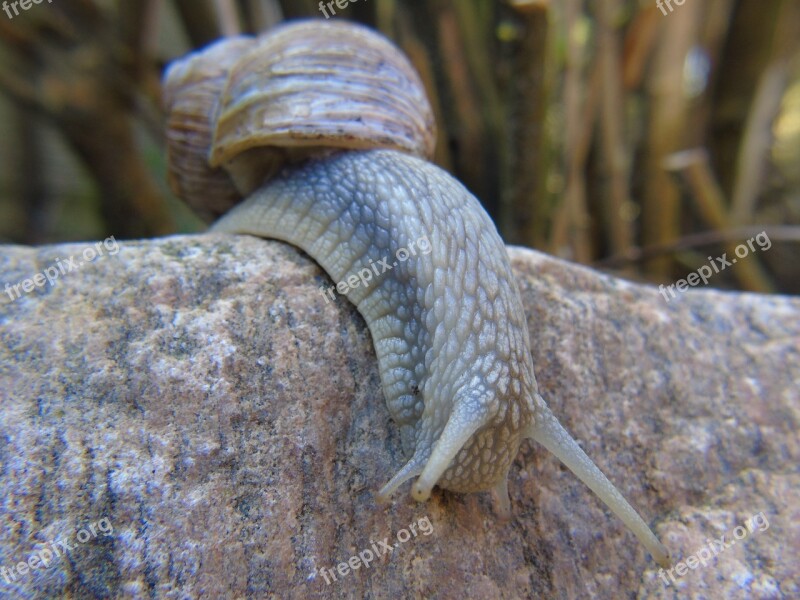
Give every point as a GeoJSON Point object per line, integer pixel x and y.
{"type": "Point", "coordinates": [292, 93]}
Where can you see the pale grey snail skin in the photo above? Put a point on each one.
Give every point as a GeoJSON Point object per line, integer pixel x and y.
{"type": "Point", "coordinates": [448, 324]}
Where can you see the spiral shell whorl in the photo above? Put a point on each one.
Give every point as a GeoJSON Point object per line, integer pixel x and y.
{"type": "Point", "coordinates": [315, 83]}
{"type": "Point", "coordinates": [241, 109]}
{"type": "Point", "coordinates": [192, 87]}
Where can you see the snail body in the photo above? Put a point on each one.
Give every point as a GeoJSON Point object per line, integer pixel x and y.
{"type": "Point", "coordinates": [447, 323]}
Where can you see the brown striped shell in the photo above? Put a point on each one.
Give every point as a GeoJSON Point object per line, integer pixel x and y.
{"type": "Point", "coordinates": [250, 105]}
{"type": "Point", "coordinates": [191, 95]}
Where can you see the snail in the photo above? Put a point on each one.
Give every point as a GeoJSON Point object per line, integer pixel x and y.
{"type": "Point", "coordinates": [319, 134]}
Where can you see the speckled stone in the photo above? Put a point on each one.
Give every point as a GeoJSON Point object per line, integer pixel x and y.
{"type": "Point", "coordinates": [202, 395]}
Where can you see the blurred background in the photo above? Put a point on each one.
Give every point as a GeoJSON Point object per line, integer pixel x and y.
{"type": "Point", "coordinates": [639, 137]}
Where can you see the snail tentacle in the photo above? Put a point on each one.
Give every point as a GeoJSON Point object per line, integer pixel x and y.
{"type": "Point", "coordinates": [552, 435]}
{"type": "Point", "coordinates": [410, 470]}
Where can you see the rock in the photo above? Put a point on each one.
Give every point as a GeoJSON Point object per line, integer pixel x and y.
{"type": "Point", "coordinates": [190, 417]}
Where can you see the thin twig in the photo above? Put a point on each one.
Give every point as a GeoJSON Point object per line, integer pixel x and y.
{"type": "Point", "coordinates": [709, 198]}
{"type": "Point", "coordinates": [776, 233]}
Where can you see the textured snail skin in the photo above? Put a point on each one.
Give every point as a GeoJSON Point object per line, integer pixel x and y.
{"type": "Point", "coordinates": [447, 323]}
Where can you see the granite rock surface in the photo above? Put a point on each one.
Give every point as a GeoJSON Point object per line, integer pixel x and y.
{"type": "Point", "coordinates": [191, 418]}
